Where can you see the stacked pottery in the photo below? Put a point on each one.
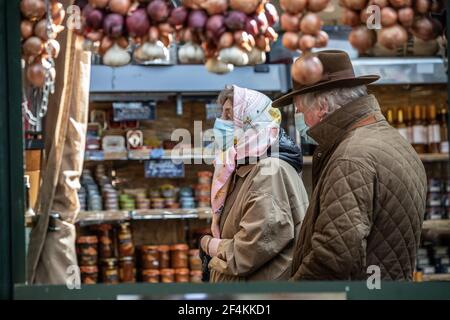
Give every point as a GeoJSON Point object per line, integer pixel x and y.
{"type": "Point", "coordinates": [187, 200]}
{"type": "Point", "coordinates": [203, 190]}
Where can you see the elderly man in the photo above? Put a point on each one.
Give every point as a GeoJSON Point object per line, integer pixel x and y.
{"type": "Point", "coordinates": [369, 184]}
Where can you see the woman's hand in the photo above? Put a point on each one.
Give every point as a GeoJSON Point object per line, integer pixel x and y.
{"type": "Point", "coordinates": [210, 245]}
{"type": "Point", "coordinates": [215, 226]}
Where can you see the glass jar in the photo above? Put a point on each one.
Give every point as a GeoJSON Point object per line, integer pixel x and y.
{"type": "Point", "coordinates": [127, 270]}
{"type": "Point", "coordinates": [204, 177]}
{"type": "Point", "coordinates": [196, 276]}
{"type": "Point", "coordinates": [150, 257]}
{"type": "Point", "coordinates": [110, 273]}
{"type": "Point", "coordinates": [126, 247]}
{"type": "Point", "coordinates": [164, 255]}
{"type": "Point", "coordinates": [182, 275]}
{"type": "Point", "coordinates": [150, 276]}
{"type": "Point", "coordinates": [105, 247]}
{"type": "Point", "coordinates": [87, 250]}
{"type": "Point", "coordinates": [167, 275]}
{"type": "Point", "coordinates": [89, 274]}
{"type": "Point", "coordinates": [195, 263]}
{"type": "Point", "coordinates": [179, 256]}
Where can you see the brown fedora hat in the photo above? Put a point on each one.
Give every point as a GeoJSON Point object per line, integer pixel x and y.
{"type": "Point", "coordinates": [337, 72]}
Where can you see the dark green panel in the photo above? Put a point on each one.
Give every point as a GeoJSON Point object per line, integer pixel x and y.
{"type": "Point", "coordinates": [352, 290]}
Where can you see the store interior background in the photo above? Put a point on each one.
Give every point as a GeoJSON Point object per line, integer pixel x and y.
{"type": "Point", "coordinates": [406, 82]}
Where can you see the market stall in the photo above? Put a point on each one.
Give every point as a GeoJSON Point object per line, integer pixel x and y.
{"type": "Point", "coordinates": [115, 187]}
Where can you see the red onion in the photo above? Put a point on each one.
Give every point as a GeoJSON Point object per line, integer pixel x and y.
{"type": "Point", "coordinates": [178, 16]}
{"type": "Point", "coordinates": [235, 20]}
{"type": "Point", "coordinates": [271, 14]}
{"type": "Point", "coordinates": [158, 10]}
{"type": "Point", "coordinates": [94, 18]}
{"type": "Point", "coordinates": [216, 25]}
{"type": "Point", "coordinates": [197, 20]}
{"type": "Point", "coordinates": [138, 23]}
{"type": "Point", "coordinates": [113, 25]}
{"type": "Point", "coordinates": [251, 26]}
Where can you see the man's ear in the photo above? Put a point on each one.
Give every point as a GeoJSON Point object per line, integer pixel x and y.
{"type": "Point", "coordinates": [323, 108]}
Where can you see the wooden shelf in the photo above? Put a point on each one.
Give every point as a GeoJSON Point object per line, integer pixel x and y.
{"type": "Point", "coordinates": [443, 225]}
{"type": "Point", "coordinates": [434, 157]}
{"type": "Point", "coordinates": [98, 217]}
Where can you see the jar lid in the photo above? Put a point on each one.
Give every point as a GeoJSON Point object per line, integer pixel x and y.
{"type": "Point", "coordinates": [182, 271]}
{"type": "Point", "coordinates": [194, 252]}
{"type": "Point", "coordinates": [196, 273]}
{"type": "Point", "coordinates": [204, 174]}
{"type": "Point", "coordinates": [127, 259]}
{"type": "Point", "coordinates": [180, 246]}
{"type": "Point", "coordinates": [110, 262]}
{"type": "Point", "coordinates": [167, 272]}
{"type": "Point", "coordinates": [150, 272]}
{"type": "Point", "coordinates": [149, 248]}
{"type": "Point", "coordinates": [87, 239]}
{"type": "Point", "coordinates": [164, 248]}
{"type": "Point", "coordinates": [88, 269]}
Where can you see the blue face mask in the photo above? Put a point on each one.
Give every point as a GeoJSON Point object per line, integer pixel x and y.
{"type": "Point", "coordinates": [303, 128]}
{"type": "Point", "coordinates": [224, 133]}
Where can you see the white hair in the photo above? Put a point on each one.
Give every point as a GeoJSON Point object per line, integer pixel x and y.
{"type": "Point", "coordinates": [334, 98]}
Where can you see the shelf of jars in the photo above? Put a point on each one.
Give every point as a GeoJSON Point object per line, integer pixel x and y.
{"type": "Point", "coordinates": [437, 225]}
{"type": "Point", "coordinates": [86, 218]}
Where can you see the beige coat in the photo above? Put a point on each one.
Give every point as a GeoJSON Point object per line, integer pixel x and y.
{"type": "Point", "coordinates": [368, 202]}
{"type": "Point", "coordinates": [260, 223]}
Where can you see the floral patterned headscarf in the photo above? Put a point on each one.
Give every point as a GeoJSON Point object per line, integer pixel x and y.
{"type": "Point", "coordinates": [256, 127]}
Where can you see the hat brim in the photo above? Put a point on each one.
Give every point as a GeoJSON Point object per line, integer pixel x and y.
{"type": "Point", "coordinates": [287, 99]}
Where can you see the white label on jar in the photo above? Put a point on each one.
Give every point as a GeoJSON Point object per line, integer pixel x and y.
{"type": "Point", "coordinates": [434, 134]}
{"type": "Point", "coordinates": [420, 134]}
{"type": "Point", "coordinates": [403, 132]}
{"type": "Point", "coordinates": [410, 134]}
{"type": "Point", "coordinates": [444, 147]}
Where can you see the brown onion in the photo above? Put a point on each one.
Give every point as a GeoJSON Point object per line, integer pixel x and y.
{"type": "Point", "coordinates": [388, 17]}
{"type": "Point", "coordinates": [362, 38]}
{"type": "Point", "coordinates": [271, 34]}
{"type": "Point", "coordinates": [290, 40]}
{"type": "Point", "coordinates": [436, 6]}
{"type": "Point", "coordinates": [40, 30]}
{"type": "Point", "coordinates": [398, 3]}
{"type": "Point", "coordinates": [226, 40]}
{"type": "Point", "coordinates": [153, 34]}
{"type": "Point", "coordinates": [293, 6]}
{"type": "Point", "coordinates": [33, 46]}
{"type": "Point", "coordinates": [307, 70]}
{"type": "Point", "coordinates": [32, 9]}
{"type": "Point", "coordinates": [120, 6]}
{"type": "Point", "coordinates": [380, 3]}
{"type": "Point", "coordinates": [363, 16]}
{"type": "Point", "coordinates": [426, 28]}
{"type": "Point", "coordinates": [214, 6]}
{"type": "Point", "coordinates": [355, 4]}
{"type": "Point", "coordinates": [317, 5]}
{"type": "Point", "coordinates": [306, 42]}
{"type": "Point", "coordinates": [350, 18]}
{"type": "Point", "coordinates": [262, 43]}
{"type": "Point", "coordinates": [36, 74]}
{"type": "Point", "coordinates": [290, 22]}
{"type": "Point", "coordinates": [311, 24]}
{"type": "Point", "coordinates": [246, 6]}
{"type": "Point", "coordinates": [94, 36]}
{"type": "Point", "coordinates": [26, 29]}
{"type": "Point", "coordinates": [105, 45]}
{"type": "Point", "coordinates": [58, 13]}
{"type": "Point", "coordinates": [322, 39]}
{"type": "Point", "coordinates": [123, 42]}
{"type": "Point", "coordinates": [393, 37]}
{"type": "Point", "coordinates": [406, 17]}
{"type": "Point", "coordinates": [422, 6]}
{"type": "Point", "coordinates": [98, 3]}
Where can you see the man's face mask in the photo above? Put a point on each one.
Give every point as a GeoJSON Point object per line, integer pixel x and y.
{"type": "Point", "coordinates": [303, 128]}
{"type": "Point", "coordinates": [224, 133]}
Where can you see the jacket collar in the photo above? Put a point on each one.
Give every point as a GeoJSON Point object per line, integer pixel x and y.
{"type": "Point", "coordinates": [331, 129]}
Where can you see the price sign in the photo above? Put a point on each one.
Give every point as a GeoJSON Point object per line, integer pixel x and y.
{"type": "Point", "coordinates": [163, 169]}
{"type": "Point", "coordinates": [132, 111]}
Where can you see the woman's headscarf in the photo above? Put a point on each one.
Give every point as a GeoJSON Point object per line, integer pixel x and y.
{"type": "Point", "coordinates": [256, 127]}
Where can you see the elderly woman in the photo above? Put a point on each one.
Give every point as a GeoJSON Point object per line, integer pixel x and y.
{"type": "Point", "coordinates": [258, 198]}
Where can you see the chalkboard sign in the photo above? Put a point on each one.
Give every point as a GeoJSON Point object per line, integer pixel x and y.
{"type": "Point", "coordinates": [163, 169]}
{"type": "Point", "coordinates": [132, 111]}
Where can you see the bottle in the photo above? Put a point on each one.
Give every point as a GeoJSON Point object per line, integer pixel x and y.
{"type": "Point", "coordinates": [434, 131]}
{"type": "Point", "coordinates": [400, 124]}
{"type": "Point", "coordinates": [443, 148]}
{"type": "Point", "coordinates": [419, 130]}
{"type": "Point", "coordinates": [409, 123]}
{"type": "Point", "coordinates": [390, 116]}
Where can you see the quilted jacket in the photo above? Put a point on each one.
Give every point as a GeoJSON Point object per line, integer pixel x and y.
{"type": "Point", "coordinates": [368, 202]}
